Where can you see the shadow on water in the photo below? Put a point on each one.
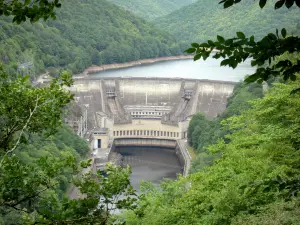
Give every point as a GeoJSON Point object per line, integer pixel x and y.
{"type": "Point", "coordinates": [150, 163]}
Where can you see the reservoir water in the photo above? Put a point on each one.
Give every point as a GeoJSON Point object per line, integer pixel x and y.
{"type": "Point", "coordinates": [209, 69]}
{"type": "Point", "coordinates": [150, 164]}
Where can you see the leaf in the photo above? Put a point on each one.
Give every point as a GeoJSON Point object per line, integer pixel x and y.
{"type": "Point", "coordinates": [252, 78]}
{"type": "Point", "coordinates": [197, 57]}
{"type": "Point", "coordinates": [293, 77]}
{"type": "Point", "coordinates": [289, 3]}
{"type": "Point", "coordinates": [241, 35]}
{"type": "Point", "coordinates": [262, 3]}
{"type": "Point", "coordinates": [204, 45]}
{"type": "Point", "coordinates": [195, 45]}
{"type": "Point", "coordinates": [205, 55]}
{"type": "Point", "coordinates": [228, 3]}
{"type": "Point", "coordinates": [190, 50]}
{"type": "Point", "coordinates": [225, 62]}
{"type": "Point", "coordinates": [220, 39]}
{"type": "Point", "coordinates": [279, 4]}
{"type": "Point", "coordinates": [272, 36]}
{"type": "Point", "coordinates": [283, 32]}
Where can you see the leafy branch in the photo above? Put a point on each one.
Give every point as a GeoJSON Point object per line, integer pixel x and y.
{"type": "Point", "coordinates": [263, 54]}
{"type": "Point", "coordinates": [23, 130]}
{"type": "Point", "coordinates": [262, 3]}
{"type": "Point", "coordinates": [31, 9]}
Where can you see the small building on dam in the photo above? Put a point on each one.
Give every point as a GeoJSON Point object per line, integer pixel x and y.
{"type": "Point", "coordinates": [114, 112]}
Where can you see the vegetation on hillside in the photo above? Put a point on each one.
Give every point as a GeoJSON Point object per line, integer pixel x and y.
{"type": "Point", "coordinates": [254, 181]}
{"type": "Point", "coordinates": [205, 19]}
{"type": "Point", "coordinates": [253, 172]}
{"type": "Point", "coordinates": [250, 175]}
{"type": "Point", "coordinates": [84, 33]}
{"type": "Point", "coordinates": [151, 9]}
{"type": "Point", "coordinates": [40, 159]}
{"type": "Point", "coordinates": [203, 132]}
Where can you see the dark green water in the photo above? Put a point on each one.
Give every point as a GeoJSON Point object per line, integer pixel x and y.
{"type": "Point", "coordinates": [150, 163]}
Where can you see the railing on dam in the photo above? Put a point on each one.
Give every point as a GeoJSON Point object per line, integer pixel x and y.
{"type": "Point", "coordinates": [145, 134]}
{"type": "Point", "coordinates": [145, 142]}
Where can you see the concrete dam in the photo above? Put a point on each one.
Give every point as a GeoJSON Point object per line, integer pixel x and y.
{"type": "Point", "coordinates": [149, 112]}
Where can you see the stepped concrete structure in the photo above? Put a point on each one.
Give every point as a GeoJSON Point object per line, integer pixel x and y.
{"type": "Point", "coordinates": [130, 110]}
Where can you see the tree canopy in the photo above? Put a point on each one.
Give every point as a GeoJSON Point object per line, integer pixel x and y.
{"type": "Point", "coordinates": [29, 9]}
{"type": "Point", "coordinates": [263, 53]}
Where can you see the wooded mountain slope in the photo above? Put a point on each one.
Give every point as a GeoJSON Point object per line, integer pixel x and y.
{"type": "Point", "coordinates": [84, 33]}
{"type": "Point", "coordinates": [205, 19]}
{"type": "Point", "coordinates": [151, 9]}
{"type": "Point", "coordinates": [255, 181]}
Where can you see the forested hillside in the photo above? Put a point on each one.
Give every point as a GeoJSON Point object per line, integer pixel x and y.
{"type": "Point", "coordinates": [41, 149]}
{"type": "Point", "coordinates": [203, 132]}
{"type": "Point", "coordinates": [205, 19]}
{"type": "Point", "coordinates": [84, 33]}
{"type": "Point", "coordinates": [256, 180]}
{"type": "Point", "coordinates": [151, 9]}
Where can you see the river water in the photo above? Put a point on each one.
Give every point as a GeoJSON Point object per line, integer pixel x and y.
{"type": "Point", "coordinates": [150, 164]}
{"type": "Point", "coordinates": [209, 69]}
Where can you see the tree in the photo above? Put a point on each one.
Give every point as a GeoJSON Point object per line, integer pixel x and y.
{"type": "Point", "coordinates": [264, 53]}
{"type": "Point", "coordinates": [29, 9]}
{"type": "Point", "coordinates": [32, 187]}
{"type": "Point", "coordinates": [27, 109]}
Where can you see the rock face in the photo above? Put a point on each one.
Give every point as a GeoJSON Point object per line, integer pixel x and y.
{"type": "Point", "coordinates": [171, 100]}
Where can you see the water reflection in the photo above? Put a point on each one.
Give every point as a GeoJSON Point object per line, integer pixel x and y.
{"type": "Point", "coordinates": [209, 69]}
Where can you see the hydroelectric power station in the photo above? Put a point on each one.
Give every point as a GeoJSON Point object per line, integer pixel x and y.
{"type": "Point", "coordinates": [116, 113]}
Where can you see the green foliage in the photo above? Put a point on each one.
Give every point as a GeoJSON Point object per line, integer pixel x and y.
{"type": "Point", "coordinates": [205, 19]}
{"type": "Point", "coordinates": [151, 9]}
{"type": "Point", "coordinates": [24, 108]}
{"type": "Point", "coordinates": [39, 159]}
{"type": "Point", "coordinates": [263, 146]}
{"type": "Point", "coordinates": [262, 3]}
{"type": "Point", "coordinates": [238, 49]}
{"type": "Point", "coordinates": [203, 132]}
{"type": "Point", "coordinates": [31, 9]}
{"type": "Point", "coordinates": [102, 195]}
{"type": "Point", "coordinates": [74, 42]}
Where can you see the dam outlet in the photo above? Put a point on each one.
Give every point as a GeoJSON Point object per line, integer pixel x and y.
{"type": "Point", "coordinates": [150, 163]}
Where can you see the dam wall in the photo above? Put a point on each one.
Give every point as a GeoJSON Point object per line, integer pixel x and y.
{"type": "Point", "coordinates": [172, 100]}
